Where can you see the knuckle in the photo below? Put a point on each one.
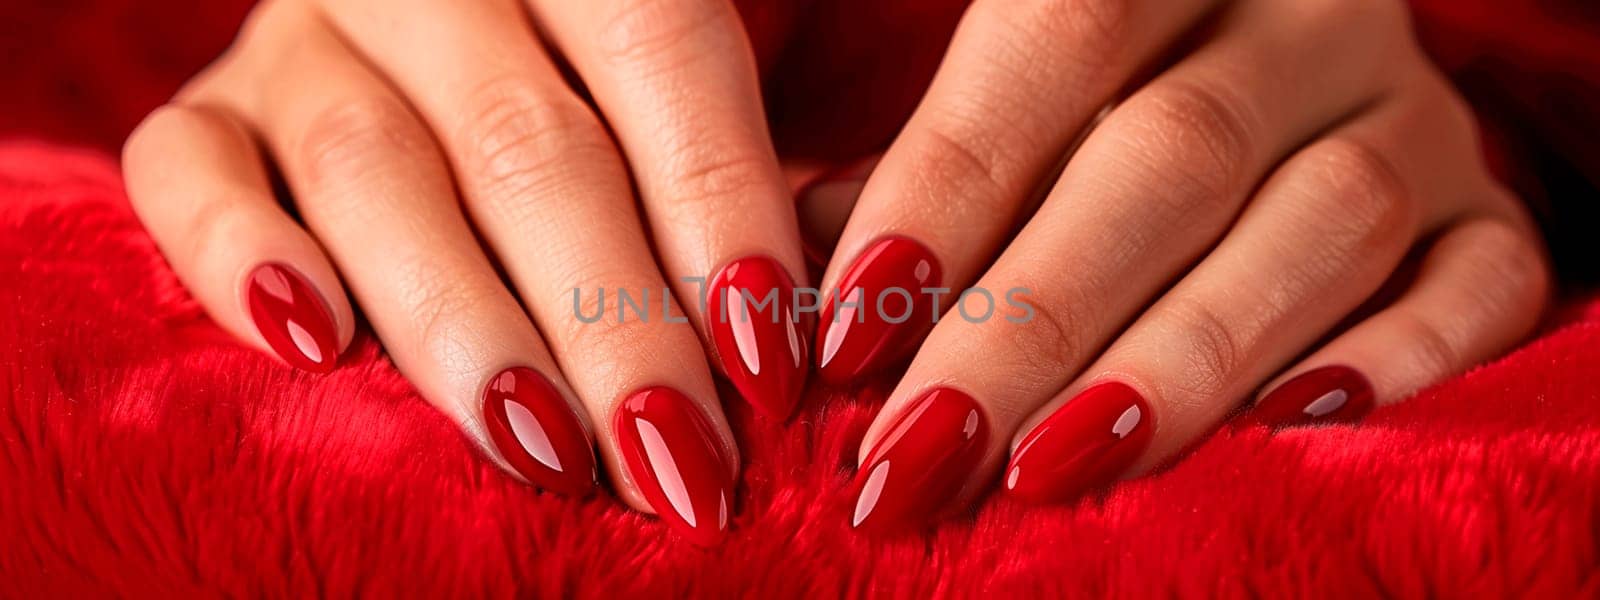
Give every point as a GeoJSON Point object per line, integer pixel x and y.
{"type": "Point", "coordinates": [446, 312]}
{"type": "Point", "coordinates": [359, 139]}
{"type": "Point", "coordinates": [1054, 343]}
{"type": "Point", "coordinates": [1217, 347]}
{"type": "Point", "coordinates": [639, 30]}
{"type": "Point", "coordinates": [520, 137]}
{"type": "Point", "coordinates": [166, 122]}
{"type": "Point", "coordinates": [708, 180]}
{"type": "Point", "coordinates": [1432, 349]}
{"type": "Point", "coordinates": [1368, 168]}
{"type": "Point", "coordinates": [1357, 188]}
{"type": "Point", "coordinates": [1097, 28]}
{"type": "Point", "coordinates": [611, 333]}
{"type": "Point", "coordinates": [951, 165]}
{"type": "Point", "coordinates": [1365, 189]}
{"type": "Point", "coordinates": [1031, 41]}
{"type": "Point", "coordinates": [1195, 139]}
{"type": "Point", "coordinates": [1506, 268]}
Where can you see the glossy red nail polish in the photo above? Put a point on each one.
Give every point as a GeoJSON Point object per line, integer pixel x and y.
{"type": "Point", "coordinates": [854, 336]}
{"type": "Point", "coordinates": [672, 453]}
{"type": "Point", "coordinates": [921, 462]}
{"type": "Point", "coordinates": [294, 320]}
{"type": "Point", "coordinates": [1087, 443]}
{"type": "Point", "coordinates": [759, 340]}
{"type": "Point", "coordinates": [1326, 395]}
{"type": "Point", "coordinates": [535, 430]}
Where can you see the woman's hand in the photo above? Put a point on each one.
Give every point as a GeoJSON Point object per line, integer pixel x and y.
{"type": "Point", "coordinates": [1286, 208]}
{"type": "Point", "coordinates": [406, 131]}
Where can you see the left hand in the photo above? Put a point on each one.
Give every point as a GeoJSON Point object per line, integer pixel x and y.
{"type": "Point", "coordinates": [1225, 229]}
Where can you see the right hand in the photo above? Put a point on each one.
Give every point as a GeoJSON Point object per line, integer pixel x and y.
{"type": "Point", "coordinates": [403, 129]}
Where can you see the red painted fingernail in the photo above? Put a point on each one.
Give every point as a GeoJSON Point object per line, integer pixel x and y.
{"type": "Point", "coordinates": [1325, 395]}
{"type": "Point", "coordinates": [535, 430]}
{"type": "Point", "coordinates": [921, 462]}
{"type": "Point", "coordinates": [294, 320]}
{"type": "Point", "coordinates": [857, 335]}
{"type": "Point", "coordinates": [750, 305]}
{"type": "Point", "coordinates": [1087, 443]}
{"type": "Point", "coordinates": [671, 451]}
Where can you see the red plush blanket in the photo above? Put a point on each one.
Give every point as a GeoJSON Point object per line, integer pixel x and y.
{"type": "Point", "coordinates": [144, 451]}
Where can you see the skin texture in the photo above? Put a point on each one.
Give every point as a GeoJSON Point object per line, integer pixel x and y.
{"type": "Point", "coordinates": [1209, 238]}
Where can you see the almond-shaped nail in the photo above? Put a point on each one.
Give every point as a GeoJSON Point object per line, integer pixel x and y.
{"type": "Point", "coordinates": [535, 431]}
{"type": "Point", "coordinates": [293, 318]}
{"type": "Point", "coordinates": [920, 463]}
{"type": "Point", "coordinates": [1329, 394]}
{"type": "Point", "coordinates": [757, 333]}
{"type": "Point", "coordinates": [1087, 443]}
{"type": "Point", "coordinates": [671, 451]}
{"type": "Point", "coordinates": [879, 313]}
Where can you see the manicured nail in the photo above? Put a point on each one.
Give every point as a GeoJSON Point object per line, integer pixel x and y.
{"type": "Point", "coordinates": [671, 451]}
{"type": "Point", "coordinates": [535, 430]}
{"type": "Point", "coordinates": [825, 203]}
{"type": "Point", "coordinates": [1325, 395]}
{"type": "Point", "coordinates": [921, 462]}
{"type": "Point", "coordinates": [750, 305]}
{"type": "Point", "coordinates": [879, 312]}
{"type": "Point", "coordinates": [1086, 444]}
{"type": "Point", "coordinates": [294, 320]}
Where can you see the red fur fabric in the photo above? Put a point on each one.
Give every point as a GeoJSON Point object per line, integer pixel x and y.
{"type": "Point", "coordinates": [144, 452]}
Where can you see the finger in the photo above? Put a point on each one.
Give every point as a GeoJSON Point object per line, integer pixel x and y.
{"type": "Point", "coordinates": [824, 202]}
{"type": "Point", "coordinates": [951, 188]}
{"type": "Point", "coordinates": [1323, 234]}
{"type": "Point", "coordinates": [546, 188]}
{"type": "Point", "coordinates": [676, 80]}
{"type": "Point", "coordinates": [1481, 288]}
{"type": "Point", "coordinates": [196, 181]}
{"type": "Point", "coordinates": [1150, 190]}
{"type": "Point", "coordinates": [371, 185]}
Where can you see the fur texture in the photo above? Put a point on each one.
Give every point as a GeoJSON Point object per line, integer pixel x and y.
{"type": "Point", "coordinates": [144, 452]}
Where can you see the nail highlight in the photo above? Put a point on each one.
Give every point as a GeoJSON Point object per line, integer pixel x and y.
{"type": "Point", "coordinates": [671, 451]}
{"type": "Point", "coordinates": [858, 334]}
{"type": "Point", "coordinates": [1086, 444]}
{"type": "Point", "coordinates": [292, 318]}
{"type": "Point", "coordinates": [535, 430]}
{"type": "Point", "coordinates": [1329, 394]}
{"type": "Point", "coordinates": [920, 463]}
{"type": "Point", "coordinates": [759, 340]}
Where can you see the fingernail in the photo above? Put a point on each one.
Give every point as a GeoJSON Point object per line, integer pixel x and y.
{"type": "Point", "coordinates": [1086, 444]}
{"type": "Point", "coordinates": [1325, 395]}
{"type": "Point", "coordinates": [859, 334]}
{"type": "Point", "coordinates": [671, 451]}
{"type": "Point", "coordinates": [293, 318]}
{"type": "Point", "coordinates": [921, 462]}
{"type": "Point", "coordinates": [535, 430]}
{"type": "Point", "coordinates": [750, 304]}
{"type": "Point", "coordinates": [824, 205]}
